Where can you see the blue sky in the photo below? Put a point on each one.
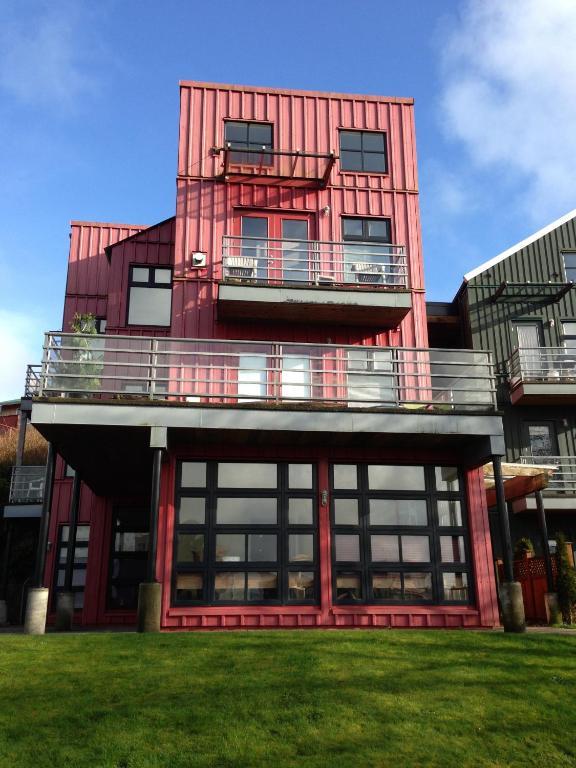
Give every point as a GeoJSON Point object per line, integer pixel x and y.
{"type": "Point", "coordinates": [89, 118]}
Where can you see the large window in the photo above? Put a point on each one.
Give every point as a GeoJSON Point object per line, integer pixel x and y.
{"type": "Point", "coordinates": [570, 266]}
{"type": "Point", "coordinates": [240, 135]}
{"type": "Point", "coordinates": [370, 261]}
{"type": "Point", "coordinates": [245, 533]}
{"type": "Point", "coordinates": [79, 562]}
{"type": "Point", "coordinates": [399, 535]}
{"type": "Point", "coordinates": [569, 335]}
{"type": "Point", "coordinates": [150, 296]}
{"type": "Point", "coordinates": [129, 556]}
{"type": "Point", "coordinates": [363, 151]}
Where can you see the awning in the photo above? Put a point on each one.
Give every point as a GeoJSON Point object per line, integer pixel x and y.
{"type": "Point", "coordinates": [520, 480]}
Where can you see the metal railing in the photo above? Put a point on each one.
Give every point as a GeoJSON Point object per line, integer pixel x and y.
{"type": "Point", "coordinates": [27, 484]}
{"type": "Point", "coordinates": [255, 162]}
{"type": "Point", "coordinates": [313, 262]}
{"type": "Point", "coordinates": [564, 478]}
{"type": "Point", "coordinates": [546, 364]}
{"type": "Point", "coordinates": [230, 372]}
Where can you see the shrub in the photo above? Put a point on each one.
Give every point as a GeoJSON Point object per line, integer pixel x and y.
{"type": "Point", "coordinates": [523, 547]}
{"type": "Point", "coordinates": [566, 581]}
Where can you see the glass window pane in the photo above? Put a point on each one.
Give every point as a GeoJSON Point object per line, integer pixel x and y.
{"type": "Point", "coordinates": [447, 479]}
{"type": "Point", "coordinates": [60, 578]}
{"type": "Point", "coordinates": [244, 475]}
{"type": "Point", "coordinates": [260, 134]}
{"type": "Point", "coordinates": [262, 548]}
{"type": "Point", "coordinates": [301, 585]}
{"type": "Point", "coordinates": [415, 549]}
{"type": "Point", "coordinates": [78, 600]}
{"type": "Point", "coordinates": [350, 161]}
{"type": "Point", "coordinates": [238, 511]}
{"type": "Point", "coordinates": [192, 511]}
{"type": "Point", "coordinates": [189, 586]}
{"type": "Point", "coordinates": [78, 577]}
{"type": "Point", "coordinates": [398, 512]}
{"type": "Point", "coordinates": [300, 476]}
{"type": "Point", "coordinates": [351, 140]}
{"type": "Point", "coordinates": [348, 587]}
{"type": "Point", "coordinates": [387, 586]}
{"type": "Point", "coordinates": [190, 548]}
{"type": "Point", "coordinates": [346, 511]}
{"type": "Point", "coordinates": [352, 228]}
{"type": "Point", "coordinates": [541, 439]}
{"type": "Point", "coordinates": [394, 477]}
{"type": "Point", "coordinates": [131, 541]}
{"type": "Point", "coordinates": [373, 142]}
{"type": "Point", "coordinates": [345, 477]}
{"type": "Point", "coordinates": [374, 163]}
{"type": "Point", "coordinates": [347, 547]}
{"type": "Point", "coordinates": [193, 474]}
{"type": "Point", "coordinates": [301, 547]}
{"type": "Point", "coordinates": [129, 569]}
{"type": "Point", "coordinates": [82, 533]}
{"type": "Point", "coordinates": [150, 306]}
{"type": "Point", "coordinates": [229, 586]}
{"type": "Point", "coordinates": [254, 226]}
{"type": "Point", "coordinates": [449, 512]}
{"type": "Point", "coordinates": [236, 131]}
{"type": "Point", "coordinates": [140, 274]}
{"type": "Point", "coordinates": [417, 586]}
{"type": "Point", "coordinates": [569, 329]}
{"type": "Point", "coordinates": [81, 555]}
{"type": "Point", "coordinates": [64, 531]}
{"type": "Point", "coordinates": [384, 548]}
{"type": "Point", "coordinates": [162, 276]}
{"type": "Point", "coordinates": [263, 586]}
{"type": "Point", "coordinates": [455, 586]}
{"type": "Point", "coordinates": [379, 229]}
{"type": "Point", "coordinates": [300, 512]}
{"type": "Point", "coordinates": [452, 549]}
{"type": "Point", "coordinates": [230, 547]}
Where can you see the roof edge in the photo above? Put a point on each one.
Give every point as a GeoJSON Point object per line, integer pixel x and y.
{"type": "Point", "coordinates": [522, 244]}
{"type": "Point", "coordinates": [116, 224]}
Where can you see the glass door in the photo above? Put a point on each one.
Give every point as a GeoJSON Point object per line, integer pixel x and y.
{"type": "Point", "coordinates": [295, 251]}
{"type": "Point", "coordinates": [528, 340]}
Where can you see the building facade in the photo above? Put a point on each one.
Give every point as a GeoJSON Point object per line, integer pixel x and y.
{"type": "Point", "coordinates": [259, 424]}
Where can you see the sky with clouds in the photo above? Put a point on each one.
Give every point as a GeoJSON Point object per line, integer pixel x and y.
{"type": "Point", "coordinates": [89, 111]}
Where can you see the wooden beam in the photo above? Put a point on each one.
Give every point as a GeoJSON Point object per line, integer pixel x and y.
{"type": "Point", "coordinates": [518, 487]}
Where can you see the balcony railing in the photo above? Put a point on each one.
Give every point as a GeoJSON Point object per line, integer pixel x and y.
{"type": "Point", "coordinates": [313, 262]}
{"type": "Point", "coordinates": [553, 365]}
{"type": "Point", "coordinates": [564, 478]}
{"type": "Point", "coordinates": [27, 485]}
{"type": "Point", "coordinates": [258, 164]}
{"type": "Point", "coordinates": [233, 372]}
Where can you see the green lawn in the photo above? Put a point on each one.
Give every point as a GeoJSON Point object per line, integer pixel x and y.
{"type": "Point", "coordinates": [308, 698]}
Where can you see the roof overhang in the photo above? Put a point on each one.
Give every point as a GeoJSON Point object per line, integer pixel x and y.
{"type": "Point", "coordinates": [520, 480]}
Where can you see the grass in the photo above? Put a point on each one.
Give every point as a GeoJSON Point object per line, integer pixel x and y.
{"type": "Point", "coordinates": [308, 699]}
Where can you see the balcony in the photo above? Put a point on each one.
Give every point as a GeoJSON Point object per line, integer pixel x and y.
{"type": "Point", "coordinates": [274, 167]}
{"type": "Point", "coordinates": [563, 481]}
{"type": "Point", "coordinates": [26, 492]}
{"type": "Point", "coordinates": [313, 281]}
{"type": "Point", "coordinates": [542, 376]}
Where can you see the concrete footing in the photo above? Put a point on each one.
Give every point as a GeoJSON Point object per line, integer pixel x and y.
{"type": "Point", "coordinates": [149, 606]}
{"type": "Point", "coordinates": [36, 610]}
{"type": "Point", "coordinates": [64, 611]}
{"type": "Point", "coordinates": [553, 615]}
{"type": "Point", "coordinates": [512, 605]}
{"type": "Point", "coordinates": [3, 613]}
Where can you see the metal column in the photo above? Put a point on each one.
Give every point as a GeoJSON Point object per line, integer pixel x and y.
{"type": "Point", "coordinates": [45, 519]}
{"type": "Point", "coordinates": [507, 555]}
{"type": "Point", "coordinates": [544, 535]}
{"type": "Point", "coordinates": [154, 508]}
{"type": "Point", "coordinates": [72, 530]}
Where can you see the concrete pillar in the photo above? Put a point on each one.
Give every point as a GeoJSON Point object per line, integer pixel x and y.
{"type": "Point", "coordinates": [553, 615]}
{"type": "Point", "coordinates": [64, 611]}
{"type": "Point", "coordinates": [512, 605]}
{"type": "Point", "coordinates": [149, 606]}
{"type": "Point", "coordinates": [36, 610]}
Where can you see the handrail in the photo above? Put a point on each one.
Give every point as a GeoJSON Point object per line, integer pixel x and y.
{"type": "Point", "coordinates": [564, 477]}
{"type": "Point", "coordinates": [227, 372]}
{"type": "Point", "coordinates": [549, 364]}
{"type": "Point", "coordinates": [27, 484]}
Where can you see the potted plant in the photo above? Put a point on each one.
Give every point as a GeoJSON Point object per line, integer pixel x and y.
{"type": "Point", "coordinates": [524, 549]}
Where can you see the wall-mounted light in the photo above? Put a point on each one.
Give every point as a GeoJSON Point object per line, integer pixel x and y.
{"type": "Point", "coordinates": [551, 322]}
{"type": "Point", "coordinates": [198, 259]}
{"type": "Point", "coordinates": [326, 210]}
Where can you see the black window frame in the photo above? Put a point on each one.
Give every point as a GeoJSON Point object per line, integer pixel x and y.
{"type": "Point", "coordinates": [568, 270]}
{"type": "Point", "coordinates": [568, 336]}
{"type": "Point", "coordinates": [362, 151]}
{"type": "Point", "coordinates": [237, 157]}
{"type": "Point", "coordinates": [150, 283]}
{"type": "Point", "coordinates": [365, 237]}
{"type": "Point", "coordinates": [62, 549]}
{"type": "Point", "coordinates": [365, 567]}
{"type": "Point", "coordinates": [209, 566]}
{"type": "Point", "coordinates": [140, 513]}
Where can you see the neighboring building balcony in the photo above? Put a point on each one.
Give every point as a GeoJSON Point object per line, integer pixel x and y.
{"type": "Point", "coordinates": [261, 165]}
{"type": "Point", "coordinates": [563, 481]}
{"type": "Point", "coordinates": [542, 376]}
{"type": "Point", "coordinates": [313, 281]}
{"type": "Point", "coordinates": [26, 492]}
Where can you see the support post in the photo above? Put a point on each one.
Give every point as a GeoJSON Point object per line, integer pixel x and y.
{"type": "Point", "coordinates": [511, 600]}
{"type": "Point", "coordinates": [4, 572]}
{"type": "Point", "coordinates": [551, 597]}
{"type": "Point", "coordinates": [37, 601]}
{"type": "Point", "coordinates": [22, 424]}
{"type": "Point", "coordinates": [150, 592]}
{"type": "Point", "coordinates": [65, 599]}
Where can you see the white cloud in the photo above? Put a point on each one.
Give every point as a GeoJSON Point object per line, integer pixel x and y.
{"type": "Point", "coordinates": [41, 54]}
{"type": "Point", "coordinates": [509, 96]}
{"type": "Point", "coordinates": [21, 338]}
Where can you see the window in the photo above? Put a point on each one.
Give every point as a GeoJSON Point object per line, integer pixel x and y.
{"type": "Point", "coordinates": [369, 262]}
{"type": "Point", "coordinates": [79, 563]}
{"type": "Point", "coordinates": [251, 136]}
{"type": "Point", "coordinates": [569, 334]}
{"type": "Point", "coordinates": [541, 439]}
{"type": "Point", "coordinates": [363, 151]}
{"type": "Point", "coordinates": [366, 230]}
{"type": "Point", "coordinates": [100, 325]}
{"type": "Point", "coordinates": [398, 535]}
{"type": "Point", "coordinates": [570, 266]}
{"type": "Point", "coordinates": [129, 556]}
{"type": "Point", "coordinates": [246, 532]}
{"type": "Point", "coordinates": [150, 296]}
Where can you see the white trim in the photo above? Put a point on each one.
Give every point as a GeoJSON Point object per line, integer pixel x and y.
{"type": "Point", "coordinates": [522, 244]}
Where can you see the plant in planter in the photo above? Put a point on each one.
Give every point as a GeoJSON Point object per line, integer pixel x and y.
{"type": "Point", "coordinates": [565, 582]}
{"type": "Point", "coordinates": [523, 549]}
{"type": "Point", "coordinates": [80, 363]}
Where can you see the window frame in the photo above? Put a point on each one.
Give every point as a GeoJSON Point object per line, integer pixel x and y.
{"type": "Point", "coordinates": [362, 151]}
{"type": "Point", "coordinates": [567, 269]}
{"type": "Point", "coordinates": [62, 546]}
{"type": "Point", "coordinates": [365, 567]}
{"type": "Point", "coordinates": [366, 237]}
{"type": "Point", "coordinates": [265, 160]}
{"type": "Point", "coordinates": [150, 283]}
{"type": "Point", "coordinates": [210, 567]}
{"type": "Point", "coordinates": [113, 554]}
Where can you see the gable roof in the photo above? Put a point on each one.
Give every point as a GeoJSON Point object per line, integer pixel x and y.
{"type": "Point", "coordinates": [522, 244]}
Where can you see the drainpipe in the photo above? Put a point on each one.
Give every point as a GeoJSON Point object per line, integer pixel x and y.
{"type": "Point", "coordinates": [551, 597]}
{"type": "Point", "coordinates": [511, 601]}
{"type": "Point", "coordinates": [65, 599]}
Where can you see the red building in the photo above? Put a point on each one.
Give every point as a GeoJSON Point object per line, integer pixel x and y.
{"type": "Point", "coordinates": [260, 426]}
